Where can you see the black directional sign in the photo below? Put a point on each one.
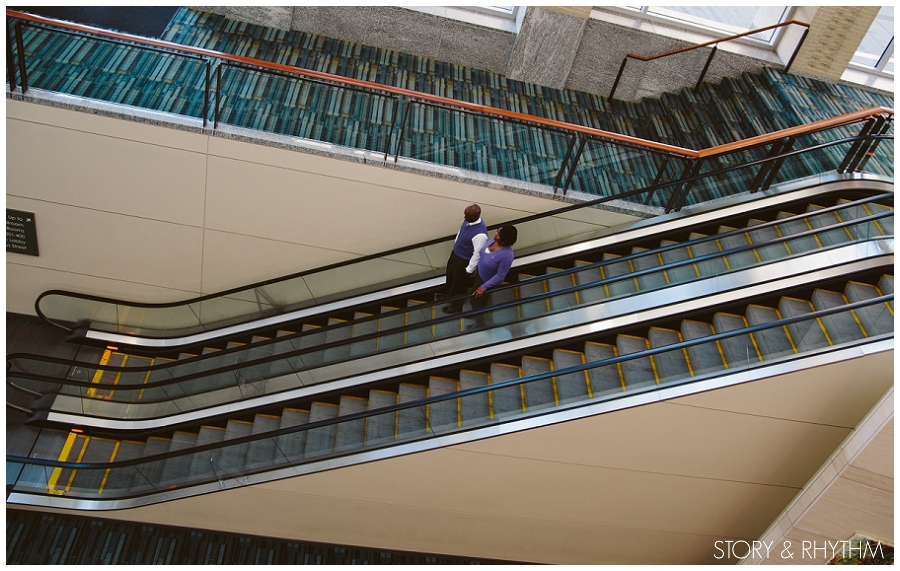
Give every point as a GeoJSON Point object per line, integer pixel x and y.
{"type": "Point", "coordinates": [21, 235]}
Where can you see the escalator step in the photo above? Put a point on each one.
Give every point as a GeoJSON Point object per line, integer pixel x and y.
{"type": "Point", "coordinates": [474, 409]}
{"type": "Point", "coordinates": [206, 435]}
{"type": "Point", "coordinates": [841, 327]}
{"type": "Point", "coordinates": [175, 469]}
{"type": "Point", "coordinates": [506, 401]}
{"type": "Point", "coordinates": [291, 446]}
{"type": "Point", "coordinates": [766, 253]}
{"type": "Point", "coordinates": [795, 227]}
{"type": "Point", "coordinates": [262, 452]}
{"type": "Point", "coordinates": [670, 365]}
{"type": "Point", "coordinates": [538, 394]}
{"type": "Point", "coordinates": [740, 350]}
{"type": "Point", "coordinates": [706, 357]}
{"type": "Point", "coordinates": [738, 260]}
{"type": "Point", "coordinates": [505, 315]}
{"type": "Point", "coordinates": [381, 428]}
{"type": "Point", "coordinates": [120, 480]}
{"type": "Point", "coordinates": [713, 266]}
{"type": "Point", "coordinates": [831, 237]}
{"type": "Point", "coordinates": [572, 387]}
{"type": "Point", "coordinates": [338, 330]}
{"type": "Point", "coordinates": [886, 285]}
{"type": "Point", "coordinates": [876, 319]}
{"type": "Point", "coordinates": [351, 435]}
{"type": "Point", "coordinates": [606, 379]}
{"type": "Point", "coordinates": [885, 225]}
{"type": "Point", "coordinates": [411, 421]}
{"type": "Point", "coordinates": [682, 273]}
{"type": "Point", "coordinates": [616, 269]}
{"type": "Point", "coordinates": [772, 342]}
{"type": "Point", "coordinates": [637, 372]}
{"type": "Point", "coordinates": [586, 276]}
{"type": "Point", "coordinates": [444, 415]}
{"type": "Point", "coordinates": [651, 281]}
{"type": "Point", "coordinates": [807, 335]}
{"type": "Point", "coordinates": [367, 346]}
{"type": "Point", "coordinates": [156, 445]}
{"type": "Point", "coordinates": [556, 283]}
{"type": "Point", "coordinates": [97, 450]}
{"type": "Point", "coordinates": [320, 441]}
{"type": "Point", "coordinates": [389, 320]}
{"type": "Point", "coordinates": [536, 308]}
{"type": "Point", "coordinates": [423, 333]}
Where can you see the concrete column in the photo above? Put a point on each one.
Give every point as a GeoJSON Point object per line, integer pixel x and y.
{"type": "Point", "coordinates": [278, 17]}
{"type": "Point", "coordinates": [547, 44]}
{"type": "Point", "coordinates": [835, 33]}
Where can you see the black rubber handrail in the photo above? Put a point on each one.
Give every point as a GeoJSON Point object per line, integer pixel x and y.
{"type": "Point", "coordinates": [487, 388]}
{"type": "Point", "coordinates": [546, 295]}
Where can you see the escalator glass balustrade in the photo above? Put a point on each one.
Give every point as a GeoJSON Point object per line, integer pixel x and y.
{"type": "Point", "coordinates": [733, 339]}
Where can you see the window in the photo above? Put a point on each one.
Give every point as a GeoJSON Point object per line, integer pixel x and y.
{"type": "Point", "coordinates": [729, 20]}
{"type": "Point", "coordinates": [877, 48]}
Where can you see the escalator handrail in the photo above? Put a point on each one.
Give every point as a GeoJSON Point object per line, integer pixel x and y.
{"type": "Point", "coordinates": [374, 335]}
{"type": "Point", "coordinates": [819, 314]}
{"type": "Point", "coordinates": [651, 188]}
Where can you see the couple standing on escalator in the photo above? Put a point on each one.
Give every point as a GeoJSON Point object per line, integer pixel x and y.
{"type": "Point", "coordinates": [478, 261]}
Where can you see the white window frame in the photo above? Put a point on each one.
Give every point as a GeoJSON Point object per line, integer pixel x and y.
{"type": "Point", "coordinates": [685, 24]}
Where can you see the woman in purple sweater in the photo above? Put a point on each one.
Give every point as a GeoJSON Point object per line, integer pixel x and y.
{"type": "Point", "coordinates": [496, 258]}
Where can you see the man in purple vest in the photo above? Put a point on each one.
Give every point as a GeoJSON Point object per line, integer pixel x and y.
{"type": "Point", "coordinates": [463, 261]}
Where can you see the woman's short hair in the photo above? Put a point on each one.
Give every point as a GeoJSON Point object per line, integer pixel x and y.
{"type": "Point", "coordinates": [508, 235]}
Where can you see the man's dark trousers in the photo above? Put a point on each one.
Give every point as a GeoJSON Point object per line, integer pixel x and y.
{"type": "Point", "coordinates": [457, 280]}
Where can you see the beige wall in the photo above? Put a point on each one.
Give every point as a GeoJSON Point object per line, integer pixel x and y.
{"type": "Point", "coordinates": [149, 213]}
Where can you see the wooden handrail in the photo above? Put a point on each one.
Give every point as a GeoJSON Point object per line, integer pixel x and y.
{"type": "Point", "coordinates": [711, 42]}
{"type": "Point", "coordinates": [571, 127]}
{"type": "Point", "coordinates": [794, 131]}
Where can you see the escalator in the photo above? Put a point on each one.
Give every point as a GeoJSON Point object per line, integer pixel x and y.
{"type": "Point", "coordinates": [736, 291]}
{"type": "Point", "coordinates": [373, 342]}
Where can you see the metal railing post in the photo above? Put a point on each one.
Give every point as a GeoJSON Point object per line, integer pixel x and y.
{"type": "Point", "coordinates": [712, 54]}
{"type": "Point", "coordinates": [387, 146]}
{"type": "Point", "coordinates": [776, 164]}
{"type": "Point", "coordinates": [618, 77]}
{"type": "Point", "coordinates": [218, 96]}
{"type": "Point", "coordinates": [870, 152]}
{"type": "Point", "coordinates": [10, 60]}
{"type": "Point", "coordinates": [574, 164]}
{"type": "Point", "coordinates": [206, 95]}
{"type": "Point", "coordinates": [849, 158]}
{"type": "Point", "coordinates": [676, 200]}
{"type": "Point", "coordinates": [659, 175]}
{"type": "Point", "coordinates": [565, 162]}
{"type": "Point", "coordinates": [20, 46]}
{"type": "Point", "coordinates": [790, 62]}
{"type": "Point", "coordinates": [402, 130]}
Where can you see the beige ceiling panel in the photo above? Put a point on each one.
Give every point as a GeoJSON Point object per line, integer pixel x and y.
{"type": "Point", "coordinates": [838, 394]}
{"type": "Point", "coordinates": [24, 283]}
{"type": "Point", "coordinates": [106, 173]}
{"type": "Point", "coordinates": [672, 439]}
{"type": "Point", "coordinates": [113, 246]}
{"type": "Point", "coordinates": [315, 518]}
{"type": "Point", "coordinates": [242, 198]}
{"type": "Point", "coordinates": [380, 176]}
{"type": "Point", "coordinates": [106, 126]}
{"type": "Point", "coordinates": [507, 487]}
{"type": "Point", "coordinates": [235, 260]}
